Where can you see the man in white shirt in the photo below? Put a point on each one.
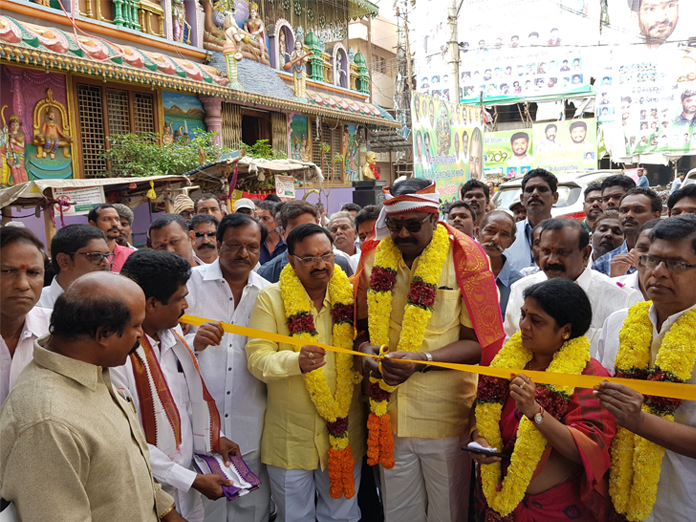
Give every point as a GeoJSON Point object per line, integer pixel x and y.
{"type": "Point", "coordinates": [169, 232]}
{"type": "Point", "coordinates": [564, 251]}
{"type": "Point", "coordinates": [75, 250]}
{"type": "Point", "coordinates": [670, 280]}
{"type": "Point", "coordinates": [226, 291]}
{"type": "Point", "coordinates": [21, 321]}
{"type": "Point", "coordinates": [162, 380]}
{"type": "Point", "coordinates": [636, 280]}
{"type": "Point", "coordinates": [343, 231]}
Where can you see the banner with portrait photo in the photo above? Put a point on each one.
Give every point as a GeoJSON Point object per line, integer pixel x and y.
{"type": "Point", "coordinates": [654, 102]}
{"type": "Point", "coordinates": [447, 142]}
{"type": "Point", "coordinates": [565, 146]}
{"type": "Point", "coordinates": [507, 154]}
{"type": "Point", "coordinates": [534, 50]}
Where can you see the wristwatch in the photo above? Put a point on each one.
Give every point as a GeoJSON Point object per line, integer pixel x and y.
{"type": "Point", "coordinates": [539, 417]}
{"type": "Point", "coordinates": [426, 368]}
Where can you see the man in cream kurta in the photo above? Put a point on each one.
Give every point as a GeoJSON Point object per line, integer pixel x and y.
{"type": "Point", "coordinates": [430, 410]}
{"type": "Point", "coordinates": [71, 448]}
{"type": "Point", "coordinates": [295, 439]}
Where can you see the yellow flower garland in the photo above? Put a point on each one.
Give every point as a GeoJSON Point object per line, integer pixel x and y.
{"type": "Point", "coordinates": [296, 300]}
{"type": "Point", "coordinates": [416, 319]}
{"type": "Point", "coordinates": [571, 359]}
{"type": "Point", "coordinates": [636, 462]}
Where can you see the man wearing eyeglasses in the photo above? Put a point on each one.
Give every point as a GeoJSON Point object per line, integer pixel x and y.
{"type": "Point", "coordinates": [430, 410]}
{"type": "Point", "coordinates": [295, 442]}
{"type": "Point", "coordinates": [670, 281]}
{"type": "Point", "coordinates": [203, 234]}
{"type": "Point", "coordinates": [226, 290]}
{"type": "Point", "coordinates": [75, 250]}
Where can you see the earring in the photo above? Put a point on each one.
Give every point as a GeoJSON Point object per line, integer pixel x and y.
{"type": "Point", "coordinates": [566, 337]}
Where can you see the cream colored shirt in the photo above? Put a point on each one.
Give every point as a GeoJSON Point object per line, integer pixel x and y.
{"type": "Point", "coordinates": [71, 449]}
{"type": "Point", "coordinates": [431, 405]}
{"type": "Point", "coordinates": [294, 435]}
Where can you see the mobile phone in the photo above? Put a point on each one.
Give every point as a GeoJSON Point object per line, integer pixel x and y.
{"type": "Point", "coordinates": [486, 453]}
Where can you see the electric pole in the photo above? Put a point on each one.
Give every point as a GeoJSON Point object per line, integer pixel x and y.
{"type": "Point", "coordinates": [452, 15]}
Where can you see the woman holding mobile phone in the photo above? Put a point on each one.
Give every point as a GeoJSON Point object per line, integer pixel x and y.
{"type": "Point", "coordinates": [558, 437]}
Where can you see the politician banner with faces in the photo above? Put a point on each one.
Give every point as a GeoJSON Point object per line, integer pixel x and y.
{"type": "Point", "coordinates": [447, 142]}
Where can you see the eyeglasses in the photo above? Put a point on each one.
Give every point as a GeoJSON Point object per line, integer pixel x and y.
{"type": "Point", "coordinates": [676, 266]}
{"type": "Point", "coordinates": [410, 225]}
{"type": "Point", "coordinates": [326, 258]}
{"type": "Point", "coordinates": [186, 214]}
{"type": "Point", "coordinates": [201, 235]}
{"type": "Point", "coordinates": [97, 257]}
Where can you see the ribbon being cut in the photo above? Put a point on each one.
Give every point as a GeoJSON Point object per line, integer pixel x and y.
{"type": "Point", "coordinates": [672, 390]}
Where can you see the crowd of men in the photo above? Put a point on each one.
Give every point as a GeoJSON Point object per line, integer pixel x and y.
{"type": "Point", "coordinates": [99, 377]}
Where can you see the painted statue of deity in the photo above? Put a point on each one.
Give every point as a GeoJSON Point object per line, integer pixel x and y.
{"type": "Point", "coordinates": [282, 50]}
{"type": "Point", "coordinates": [255, 27]}
{"type": "Point", "coordinates": [298, 67]}
{"type": "Point", "coordinates": [14, 155]}
{"type": "Point", "coordinates": [50, 134]}
{"type": "Point", "coordinates": [179, 23]}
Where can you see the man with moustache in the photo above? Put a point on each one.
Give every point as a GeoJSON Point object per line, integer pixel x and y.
{"type": "Point", "coordinates": [538, 196]}
{"type": "Point", "coordinates": [497, 232]}
{"type": "Point", "coordinates": [578, 133]}
{"type": "Point", "coordinates": [564, 251]}
{"type": "Point", "coordinates": [478, 195]}
{"type": "Point", "coordinates": [429, 411]}
{"type": "Point", "coordinates": [670, 280]}
{"type": "Point", "coordinates": [75, 250]}
{"type": "Point", "coordinates": [592, 205]}
{"type": "Point", "coordinates": [607, 234]}
{"type": "Point", "coordinates": [292, 214]}
{"type": "Point", "coordinates": [519, 143]}
{"type": "Point", "coordinates": [21, 321]}
{"type": "Point", "coordinates": [463, 218]}
{"type": "Point", "coordinates": [127, 218]}
{"type": "Point", "coordinates": [295, 445]}
{"type": "Point", "coordinates": [226, 291]}
{"type": "Point", "coordinates": [94, 461]}
{"type": "Point", "coordinates": [169, 232]}
{"type": "Point", "coordinates": [637, 207]}
{"type": "Point", "coordinates": [343, 231]}
{"type": "Point", "coordinates": [202, 232]}
{"type": "Point", "coordinates": [550, 144]}
{"type": "Point", "coordinates": [656, 19]}
{"type": "Point", "coordinates": [162, 380]}
{"type": "Point", "coordinates": [688, 113]}
{"type": "Point", "coordinates": [105, 217]}
{"type": "Point", "coordinates": [210, 204]}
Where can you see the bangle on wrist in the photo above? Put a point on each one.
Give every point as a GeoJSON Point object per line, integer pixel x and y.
{"type": "Point", "coordinates": [362, 344]}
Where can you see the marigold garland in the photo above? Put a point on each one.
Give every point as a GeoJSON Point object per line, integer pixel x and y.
{"type": "Point", "coordinates": [530, 444]}
{"type": "Point", "coordinates": [636, 462]}
{"type": "Point", "coordinates": [417, 313]}
{"type": "Point", "coordinates": [332, 408]}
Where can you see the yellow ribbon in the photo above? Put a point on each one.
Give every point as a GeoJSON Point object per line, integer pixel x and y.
{"type": "Point", "coordinates": [659, 388]}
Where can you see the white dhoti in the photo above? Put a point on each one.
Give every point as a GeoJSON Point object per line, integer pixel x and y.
{"type": "Point", "coordinates": [429, 481]}
{"type": "Point", "coordinates": [294, 494]}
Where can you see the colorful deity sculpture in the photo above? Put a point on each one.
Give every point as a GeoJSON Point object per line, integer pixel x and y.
{"type": "Point", "coordinates": [256, 28]}
{"type": "Point", "coordinates": [297, 65]}
{"type": "Point", "coordinates": [179, 23]}
{"type": "Point", "coordinates": [50, 137]}
{"type": "Point", "coordinates": [12, 150]}
{"type": "Point", "coordinates": [282, 50]}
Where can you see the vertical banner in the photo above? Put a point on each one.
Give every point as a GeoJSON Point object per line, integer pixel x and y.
{"type": "Point", "coordinates": [507, 154]}
{"type": "Point", "coordinates": [447, 142]}
{"type": "Point", "coordinates": [565, 146]}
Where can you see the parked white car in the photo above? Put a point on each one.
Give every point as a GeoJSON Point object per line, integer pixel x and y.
{"type": "Point", "coordinates": [570, 192]}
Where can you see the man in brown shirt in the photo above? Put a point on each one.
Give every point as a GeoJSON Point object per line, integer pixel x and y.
{"type": "Point", "coordinates": [71, 449]}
